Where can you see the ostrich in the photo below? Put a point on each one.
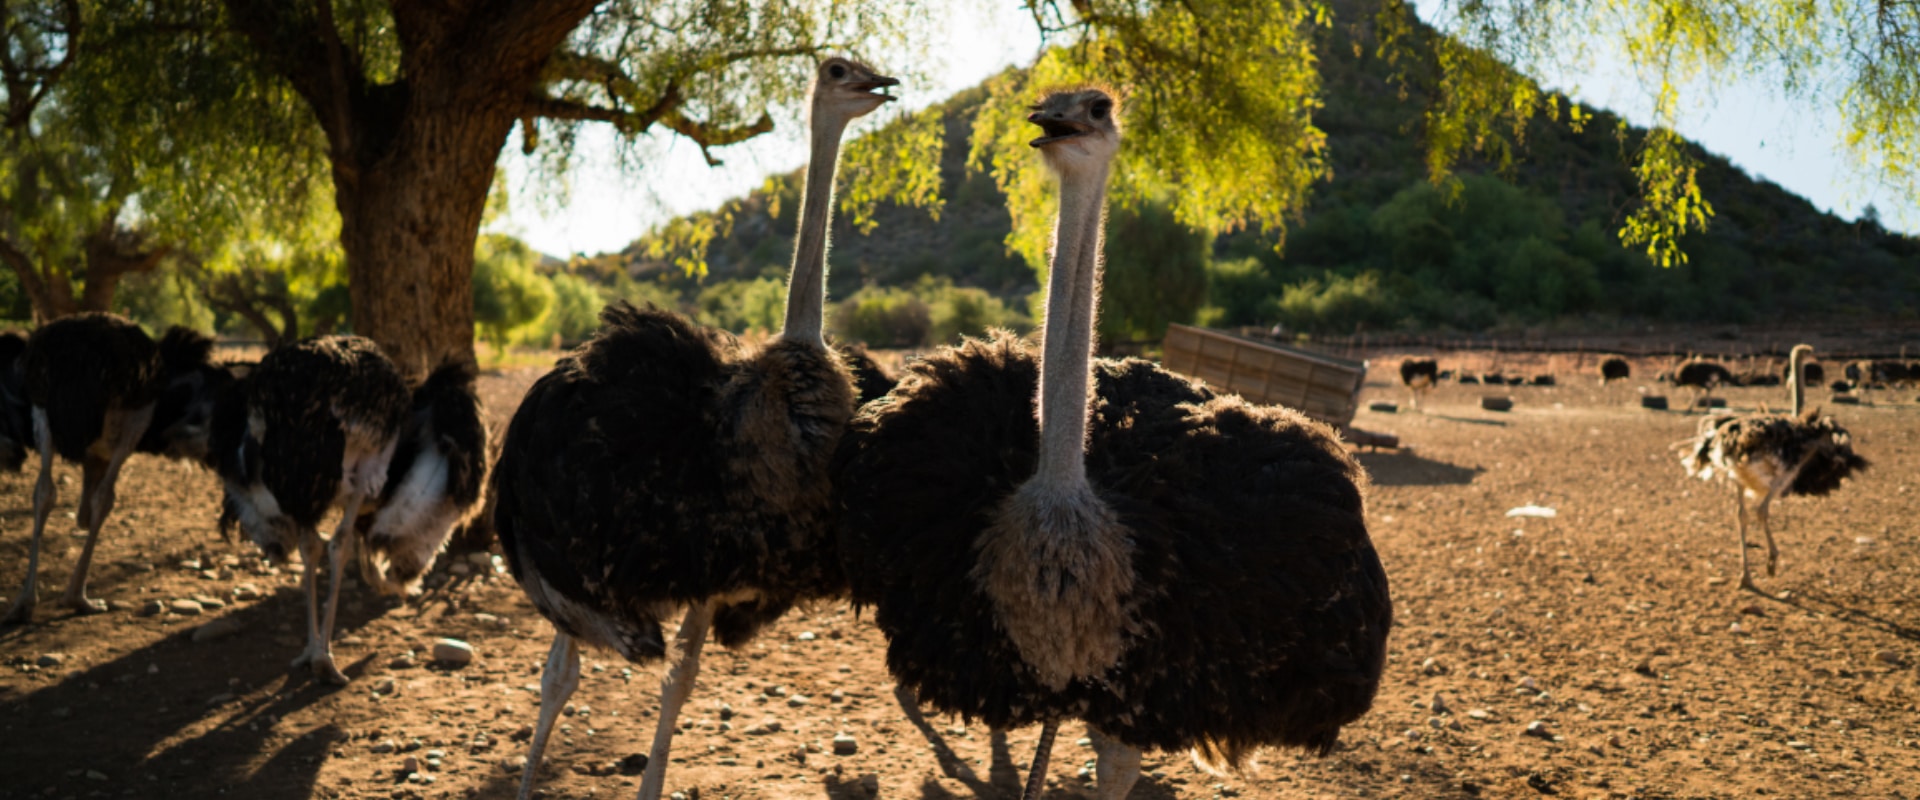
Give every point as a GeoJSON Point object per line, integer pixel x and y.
{"type": "Point", "coordinates": [16, 416]}
{"type": "Point", "coordinates": [434, 482]}
{"type": "Point", "coordinates": [1419, 375]}
{"type": "Point", "coordinates": [1769, 455]}
{"type": "Point", "coordinates": [1811, 373]}
{"type": "Point", "coordinates": [1702, 376]}
{"type": "Point", "coordinates": [1195, 574]}
{"type": "Point", "coordinates": [1614, 368]}
{"type": "Point", "coordinates": [312, 427]}
{"type": "Point", "coordinates": [870, 380]}
{"type": "Point", "coordinates": [666, 465]}
{"type": "Point", "coordinates": [93, 385]}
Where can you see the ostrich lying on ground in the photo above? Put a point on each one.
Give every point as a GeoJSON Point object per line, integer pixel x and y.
{"type": "Point", "coordinates": [1194, 575]}
{"type": "Point", "coordinates": [1702, 377]}
{"type": "Point", "coordinates": [1418, 375]}
{"type": "Point", "coordinates": [664, 465]}
{"type": "Point", "coordinates": [1614, 369]}
{"type": "Point", "coordinates": [314, 426]}
{"type": "Point", "coordinates": [93, 382]}
{"type": "Point", "coordinates": [1772, 455]}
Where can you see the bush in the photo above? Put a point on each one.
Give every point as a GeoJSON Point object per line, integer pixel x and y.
{"type": "Point", "coordinates": [890, 317]}
{"type": "Point", "coordinates": [508, 293]}
{"type": "Point", "coordinates": [741, 306]}
{"type": "Point", "coordinates": [1339, 304]}
{"type": "Point", "coordinates": [576, 310]}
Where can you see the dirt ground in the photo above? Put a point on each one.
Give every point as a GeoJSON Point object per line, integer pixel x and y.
{"type": "Point", "coordinates": [1615, 626]}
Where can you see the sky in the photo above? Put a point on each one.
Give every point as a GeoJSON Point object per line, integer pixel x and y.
{"type": "Point", "coordinates": [602, 205]}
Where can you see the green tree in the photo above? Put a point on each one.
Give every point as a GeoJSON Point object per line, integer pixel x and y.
{"type": "Point", "coordinates": [1156, 273]}
{"type": "Point", "coordinates": [508, 292]}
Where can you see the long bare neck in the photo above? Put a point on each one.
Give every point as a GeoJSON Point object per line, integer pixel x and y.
{"type": "Point", "coordinates": [1796, 382]}
{"type": "Point", "coordinates": [1067, 352]}
{"type": "Point", "coordinates": [807, 288]}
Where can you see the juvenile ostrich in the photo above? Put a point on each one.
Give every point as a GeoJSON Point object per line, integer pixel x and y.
{"type": "Point", "coordinates": [313, 427]}
{"type": "Point", "coordinates": [1195, 574]}
{"type": "Point", "coordinates": [1419, 375]}
{"type": "Point", "coordinates": [92, 384]}
{"type": "Point", "coordinates": [434, 482]}
{"type": "Point", "coordinates": [1769, 455]}
{"type": "Point", "coordinates": [665, 465]}
{"type": "Point", "coordinates": [1614, 368]}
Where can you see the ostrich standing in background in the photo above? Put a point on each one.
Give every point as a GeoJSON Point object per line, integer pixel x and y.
{"type": "Point", "coordinates": [1194, 575]}
{"type": "Point", "coordinates": [1614, 368]}
{"type": "Point", "coordinates": [666, 465]}
{"type": "Point", "coordinates": [1702, 377]}
{"type": "Point", "coordinates": [92, 385]}
{"type": "Point", "coordinates": [312, 427]}
{"type": "Point", "coordinates": [434, 482]}
{"type": "Point", "coordinates": [1772, 455]}
{"type": "Point", "coordinates": [1419, 375]}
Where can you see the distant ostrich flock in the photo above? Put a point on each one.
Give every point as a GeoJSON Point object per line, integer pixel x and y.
{"type": "Point", "coordinates": [1039, 535]}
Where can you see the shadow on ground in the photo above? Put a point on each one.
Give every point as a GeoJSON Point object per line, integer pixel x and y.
{"type": "Point", "coordinates": [1404, 468]}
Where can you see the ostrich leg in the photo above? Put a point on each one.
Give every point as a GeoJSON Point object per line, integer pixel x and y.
{"type": "Point", "coordinates": [338, 548]}
{"type": "Point", "coordinates": [557, 683]}
{"type": "Point", "coordinates": [1037, 774]}
{"type": "Point", "coordinates": [1118, 767]}
{"type": "Point", "coordinates": [1779, 488]}
{"type": "Point", "coordinates": [673, 694]}
{"type": "Point", "coordinates": [97, 495]}
{"type": "Point", "coordinates": [1740, 503]}
{"type": "Point", "coordinates": [44, 493]}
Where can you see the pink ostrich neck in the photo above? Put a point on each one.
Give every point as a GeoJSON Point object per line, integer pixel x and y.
{"type": "Point", "coordinates": [807, 288]}
{"type": "Point", "coordinates": [1067, 352]}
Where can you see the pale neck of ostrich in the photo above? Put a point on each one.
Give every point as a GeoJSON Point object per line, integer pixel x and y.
{"type": "Point", "coordinates": [1067, 350]}
{"type": "Point", "coordinates": [1796, 382]}
{"type": "Point", "coordinates": [807, 288]}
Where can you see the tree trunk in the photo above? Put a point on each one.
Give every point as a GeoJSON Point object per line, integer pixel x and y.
{"type": "Point", "coordinates": [408, 226]}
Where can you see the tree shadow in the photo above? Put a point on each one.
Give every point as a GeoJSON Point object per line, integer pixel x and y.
{"type": "Point", "coordinates": [1403, 468]}
{"type": "Point", "coordinates": [1471, 420]}
{"type": "Point", "coordinates": [178, 716]}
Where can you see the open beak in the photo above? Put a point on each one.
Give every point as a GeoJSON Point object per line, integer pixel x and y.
{"type": "Point", "coordinates": [1056, 129]}
{"type": "Point", "coordinates": [878, 82]}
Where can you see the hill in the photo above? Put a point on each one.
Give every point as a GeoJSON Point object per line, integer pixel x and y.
{"type": "Point", "coordinates": [1380, 247]}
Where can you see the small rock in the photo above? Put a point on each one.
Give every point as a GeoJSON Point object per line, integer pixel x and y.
{"type": "Point", "coordinates": [96, 775]}
{"type": "Point", "coordinates": [1530, 685]}
{"type": "Point", "coordinates": [837, 696]}
{"type": "Point", "coordinates": [797, 700]}
{"type": "Point", "coordinates": [190, 564]}
{"type": "Point", "coordinates": [460, 569]}
{"type": "Point", "coordinates": [1432, 666]}
{"type": "Point", "coordinates": [1412, 734]}
{"type": "Point", "coordinates": [384, 746]}
{"type": "Point", "coordinates": [246, 591]}
{"type": "Point", "coordinates": [480, 558]}
{"type": "Point", "coordinates": [1539, 729]}
{"type": "Point", "coordinates": [845, 745]}
{"type": "Point", "coordinates": [765, 727]}
{"type": "Point", "coordinates": [1887, 657]}
{"type": "Point", "coordinates": [152, 607]}
{"type": "Point", "coordinates": [1438, 705]}
{"type": "Point", "coordinates": [1753, 610]}
{"type": "Point", "coordinates": [726, 711]}
{"type": "Point", "coordinates": [486, 619]}
{"type": "Point", "coordinates": [51, 660]}
{"type": "Point", "coordinates": [209, 603]}
{"type": "Point", "coordinates": [1799, 745]}
{"type": "Point", "coordinates": [410, 764]}
{"type": "Point", "coordinates": [524, 733]}
{"type": "Point", "coordinates": [452, 652]}
{"type": "Point", "coordinates": [1736, 628]}
{"type": "Point", "coordinates": [385, 686]}
{"type": "Point", "coordinates": [1716, 581]}
{"type": "Point", "coordinates": [402, 661]}
{"type": "Point", "coordinates": [776, 691]}
{"type": "Point", "coordinates": [634, 764]}
{"type": "Point", "coordinates": [217, 629]}
{"type": "Point", "coordinates": [805, 636]}
{"type": "Point", "coordinates": [1480, 714]}
{"type": "Point", "coordinates": [186, 608]}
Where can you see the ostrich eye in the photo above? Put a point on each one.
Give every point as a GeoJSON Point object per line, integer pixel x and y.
{"type": "Point", "coordinates": [1101, 107]}
{"type": "Point", "coordinates": [837, 71]}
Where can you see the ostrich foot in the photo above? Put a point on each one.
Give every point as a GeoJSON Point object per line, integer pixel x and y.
{"type": "Point", "coordinates": [84, 605]}
{"type": "Point", "coordinates": [21, 613]}
{"type": "Point", "coordinates": [322, 665]}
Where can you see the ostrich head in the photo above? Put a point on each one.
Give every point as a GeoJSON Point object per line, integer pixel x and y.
{"type": "Point", "coordinates": [1080, 128]}
{"type": "Point", "coordinates": [845, 90]}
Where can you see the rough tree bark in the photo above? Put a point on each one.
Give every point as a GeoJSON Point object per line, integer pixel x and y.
{"type": "Point", "coordinates": [413, 160]}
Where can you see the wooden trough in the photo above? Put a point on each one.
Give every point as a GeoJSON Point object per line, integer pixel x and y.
{"type": "Point", "coordinates": [1326, 388]}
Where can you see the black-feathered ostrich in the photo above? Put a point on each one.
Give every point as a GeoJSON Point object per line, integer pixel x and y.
{"type": "Point", "coordinates": [1702, 377]}
{"type": "Point", "coordinates": [1767, 455]}
{"type": "Point", "coordinates": [16, 415]}
{"type": "Point", "coordinates": [1614, 368]}
{"type": "Point", "coordinates": [312, 428]}
{"type": "Point", "coordinates": [870, 380]}
{"type": "Point", "coordinates": [1419, 375]}
{"type": "Point", "coordinates": [666, 465]}
{"type": "Point", "coordinates": [1182, 571]}
{"type": "Point", "coordinates": [434, 482]}
{"type": "Point", "coordinates": [99, 389]}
